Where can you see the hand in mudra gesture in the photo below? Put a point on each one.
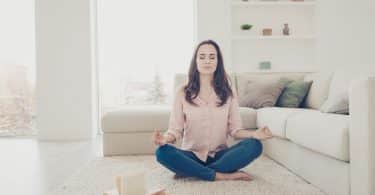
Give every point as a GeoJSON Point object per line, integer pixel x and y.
{"type": "Point", "coordinates": [263, 133]}
{"type": "Point", "coordinates": [158, 138]}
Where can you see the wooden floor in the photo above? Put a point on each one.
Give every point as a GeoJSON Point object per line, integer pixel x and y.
{"type": "Point", "coordinates": [28, 166]}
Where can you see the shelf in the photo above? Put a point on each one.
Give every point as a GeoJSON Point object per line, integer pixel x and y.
{"type": "Point", "coordinates": [287, 53]}
{"type": "Point", "coordinates": [275, 37]}
{"type": "Point", "coordinates": [306, 70]}
{"type": "Point", "coordinates": [273, 3]}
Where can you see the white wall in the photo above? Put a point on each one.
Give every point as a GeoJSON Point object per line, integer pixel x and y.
{"type": "Point", "coordinates": [213, 22]}
{"type": "Point", "coordinates": [66, 72]}
{"type": "Point", "coordinates": [346, 30]}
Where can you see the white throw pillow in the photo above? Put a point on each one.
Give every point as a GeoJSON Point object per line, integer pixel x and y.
{"type": "Point", "coordinates": [319, 89]}
{"type": "Point", "coordinates": [338, 96]}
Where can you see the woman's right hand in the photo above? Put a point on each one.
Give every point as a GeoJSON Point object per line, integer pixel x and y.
{"type": "Point", "coordinates": [263, 133]}
{"type": "Point", "coordinates": [158, 138]}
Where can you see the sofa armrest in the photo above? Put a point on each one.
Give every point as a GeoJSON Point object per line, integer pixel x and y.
{"type": "Point", "coordinates": [362, 136]}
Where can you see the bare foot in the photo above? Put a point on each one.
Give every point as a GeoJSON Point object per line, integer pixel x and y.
{"type": "Point", "coordinates": [158, 192]}
{"type": "Point", "coordinates": [239, 175]}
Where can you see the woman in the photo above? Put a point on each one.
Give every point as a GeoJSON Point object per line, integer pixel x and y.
{"type": "Point", "coordinates": [204, 113]}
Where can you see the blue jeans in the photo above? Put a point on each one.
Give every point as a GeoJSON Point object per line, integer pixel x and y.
{"type": "Point", "coordinates": [228, 160]}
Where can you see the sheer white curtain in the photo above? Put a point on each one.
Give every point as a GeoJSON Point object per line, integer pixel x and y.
{"type": "Point", "coordinates": [141, 45]}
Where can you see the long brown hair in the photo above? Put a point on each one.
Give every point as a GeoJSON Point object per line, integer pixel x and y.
{"type": "Point", "coordinates": [220, 81]}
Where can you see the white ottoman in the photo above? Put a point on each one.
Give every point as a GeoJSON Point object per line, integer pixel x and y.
{"type": "Point", "coordinates": [129, 130]}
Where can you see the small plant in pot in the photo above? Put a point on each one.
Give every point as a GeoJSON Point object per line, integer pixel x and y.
{"type": "Point", "coordinates": [246, 26]}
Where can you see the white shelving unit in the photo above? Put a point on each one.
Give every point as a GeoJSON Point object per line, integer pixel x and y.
{"type": "Point", "coordinates": [291, 37]}
{"type": "Point", "coordinates": [273, 3]}
{"type": "Point", "coordinates": [294, 52]}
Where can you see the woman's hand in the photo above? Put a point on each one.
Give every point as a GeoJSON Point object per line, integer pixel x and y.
{"type": "Point", "coordinates": [158, 138]}
{"type": "Point", "coordinates": [263, 133]}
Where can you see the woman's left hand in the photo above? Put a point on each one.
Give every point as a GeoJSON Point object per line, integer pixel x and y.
{"type": "Point", "coordinates": [263, 133]}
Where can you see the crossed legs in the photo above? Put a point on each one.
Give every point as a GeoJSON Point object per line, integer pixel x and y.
{"type": "Point", "coordinates": [225, 161]}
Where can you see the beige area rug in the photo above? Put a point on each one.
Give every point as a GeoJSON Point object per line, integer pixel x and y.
{"type": "Point", "coordinates": [269, 179]}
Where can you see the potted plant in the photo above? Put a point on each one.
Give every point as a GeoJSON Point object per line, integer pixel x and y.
{"type": "Point", "coordinates": [246, 26]}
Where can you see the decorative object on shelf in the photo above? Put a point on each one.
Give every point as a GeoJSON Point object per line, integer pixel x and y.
{"type": "Point", "coordinates": [245, 0]}
{"type": "Point", "coordinates": [246, 26]}
{"type": "Point", "coordinates": [286, 30]}
{"type": "Point", "coordinates": [267, 31]}
{"type": "Point", "coordinates": [264, 65]}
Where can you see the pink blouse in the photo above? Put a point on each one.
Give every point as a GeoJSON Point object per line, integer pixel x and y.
{"type": "Point", "coordinates": [204, 130]}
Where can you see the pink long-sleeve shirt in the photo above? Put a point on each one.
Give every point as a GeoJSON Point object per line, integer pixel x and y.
{"type": "Point", "coordinates": [204, 129]}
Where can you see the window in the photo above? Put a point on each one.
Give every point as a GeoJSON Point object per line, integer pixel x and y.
{"type": "Point", "coordinates": [17, 68]}
{"type": "Point", "coordinates": [141, 46]}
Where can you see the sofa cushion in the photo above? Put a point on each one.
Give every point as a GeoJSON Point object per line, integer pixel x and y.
{"type": "Point", "coordinates": [318, 92]}
{"type": "Point", "coordinates": [338, 96]}
{"type": "Point", "coordinates": [244, 77]}
{"type": "Point", "coordinates": [294, 93]}
{"type": "Point", "coordinates": [321, 132]}
{"type": "Point", "coordinates": [275, 118]}
{"type": "Point", "coordinates": [136, 119]}
{"type": "Point", "coordinates": [261, 94]}
{"type": "Point", "coordinates": [249, 117]}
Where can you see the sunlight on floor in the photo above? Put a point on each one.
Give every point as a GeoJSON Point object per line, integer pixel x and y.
{"type": "Point", "coordinates": [29, 166]}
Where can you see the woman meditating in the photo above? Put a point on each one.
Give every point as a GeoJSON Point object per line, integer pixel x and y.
{"type": "Point", "coordinates": [205, 111]}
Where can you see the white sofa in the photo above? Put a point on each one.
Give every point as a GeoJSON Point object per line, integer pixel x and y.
{"type": "Point", "coordinates": [334, 152]}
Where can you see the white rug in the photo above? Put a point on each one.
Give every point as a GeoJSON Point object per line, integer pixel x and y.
{"type": "Point", "coordinates": [269, 179]}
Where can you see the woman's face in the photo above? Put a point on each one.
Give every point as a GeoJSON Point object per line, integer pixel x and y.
{"type": "Point", "coordinates": [206, 59]}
